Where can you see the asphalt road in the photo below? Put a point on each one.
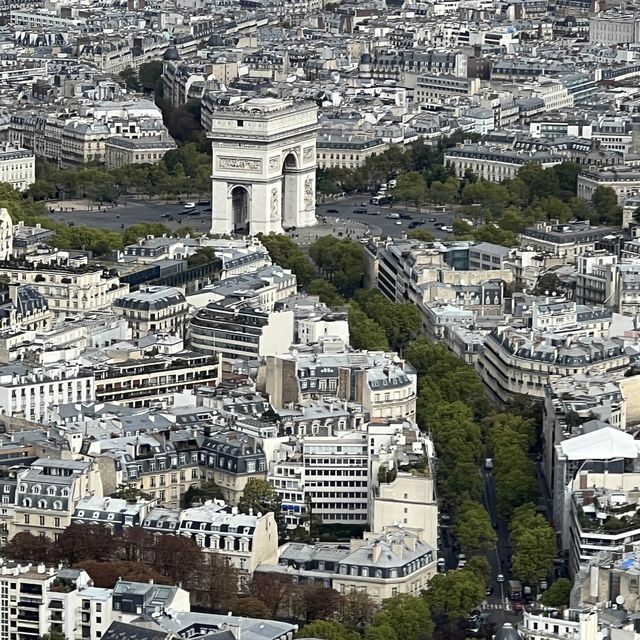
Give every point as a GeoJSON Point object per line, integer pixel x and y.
{"type": "Point", "coordinates": [135, 212]}
{"type": "Point", "coordinates": [339, 215]}
{"type": "Point", "coordinates": [377, 220]}
{"type": "Point", "coordinates": [497, 604]}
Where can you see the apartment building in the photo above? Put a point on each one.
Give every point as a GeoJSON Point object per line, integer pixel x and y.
{"type": "Point", "coordinates": [624, 180]}
{"type": "Point", "coordinates": [488, 256]}
{"type": "Point", "coordinates": [595, 498]}
{"type": "Point", "coordinates": [48, 492]}
{"type": "Point", "coordinates": [346, 151]}
{"type": "Point", "coordinates": [152, 310]}
{"type": "Point", "coordinates": [335, 464]}
{"type": "Point", "coordinates": [575, 623]}
{"type": "Point", "coordinates": [433, 87]}
{"type": "Point", "coordinates": [162, 468]}
{"type": "Point", "coordinates": [382, 385]}
{"type": "Point", "coordinates": [240, 333]}
{"type": "Point", "coordinates": [409, 500]}
{"type": "Point", "coordinates": [384, 565]}
{"type": "Point", "coordinates": [614, 27]}
{"type": "Point", "coordinates": [151, 249]}
{"type": "Point", "coordinates": [68, 290]}
{"type": "Point", "coordinates": [36, 599]}
{"type": "Point", "coordinates": [571, 402]}
{"type": "Point", "coordinates": [122, 152]}
{"type": "Point", "coordinates": [114, 513]}
{"type": "Point", "coordinates": [43, 19]}
{"type": "Point", "coordinates": [563, 339]}
{"type": "Point", "coordinates": [17, 167]}
{"type": "Point", "coordinates": [131, 600]}
{"type": "Point", "coordinates": [138, 381]}
{"type": "Point", "coordinates": [495, 164]}
{"type": "Point", "coordinates": [230, 459]}
{"type": "Point", "coordinates": [166, 464]}
{"type": "Point", "coordinates": [566, 241]}
{"type": "Point", "coordinates": [27, 391]}
{"type": "Point", "coordinates": [244, 539]}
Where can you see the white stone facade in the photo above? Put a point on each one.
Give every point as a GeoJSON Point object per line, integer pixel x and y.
{"type": "Point", "coordinates": [264, 164]}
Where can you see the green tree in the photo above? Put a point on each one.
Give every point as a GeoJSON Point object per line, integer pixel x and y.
{"type": "Point", "coordinates": [473, 529]}
{"type": "Point", "coordinates": [534, 553]}
{"type": "Point", "coordinates": [327, 630]}
{"type": "Point", "coordinates": [365, 333]}
{"type": "Point", "coordinates": [567, 177]}
{"type": "Point", "coordinates": [42, 190]}
{"type": "Point", "coordinates": [130, 79]}
{"type": "Point", "coordinates": [605, 204]}
{"type": "Point", "coordinates": [326, 292]}
{"type": "Point", "coordinates": [130, 493]}
{"type": "Point", "coordinates": [481, 566]}
{"type": "Point", "coordinates": [248, 607]}
{"type": "Point", "coordinates": [341, 261]}
{"type": "Point", "coordinates": [286, 253]}
{"type": "Point", "coordinates": [412, 187]}
{"type": "Point", "coordinates": [452, 595]}
{"type": "Point", "coordinates": [489, 195]}
{"type": "Point", "coordinates": [401, 321]}
{"type": "Point", "coordinates": [402, 617]}
{"type": "Point", "coordinates": [149, 73]}
{"type": "Point", "coordinates": [582, 210]}
{"type": "Point", "coordinates": [549, 282]}
{"type": "Point", "coordinates": [558, 594]}
{"type": "Point", "coordinates": [53, 635]}
{"type": "Point", "coordinates": [444, 192]}
{"type": "Point", "coordinates": [540, 182]}
{"type": "Point", "coordinates": [144, 229]}
{"type": "Point", "coordinates": [208, 490]}
{"type": "Point", "coordinates": [534, 544]}
{"type": "Point", "coordinates": [260, 496]}
{"type": "Point", "coordinates": [420, 234]}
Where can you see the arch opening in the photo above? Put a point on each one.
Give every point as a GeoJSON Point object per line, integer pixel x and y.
{"type": "Point", "coordinates": [240, 210]}
{"type": "Point", "coordinates": [290, 195]}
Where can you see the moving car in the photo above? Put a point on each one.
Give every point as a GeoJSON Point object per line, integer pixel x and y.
{"type": "Point", "coordinates": [393, 216]}
{"type": "Point", "coordinates": [406, 216]}
{"type": "Point", "coordinates": [332, 211]}
{"type": "Point", "coordinates": [189, 205]}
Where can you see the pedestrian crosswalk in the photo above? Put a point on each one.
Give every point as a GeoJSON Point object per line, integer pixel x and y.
{"type": "Point", "coordinates": [491, 605]}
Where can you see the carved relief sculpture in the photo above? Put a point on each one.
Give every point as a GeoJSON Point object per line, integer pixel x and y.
{"type": "Point", "coordinates": [309, 195]}
{"type": "Point", "coordinates": [245, 164]}
{"type": "Point", "coordinates": [274, 203]}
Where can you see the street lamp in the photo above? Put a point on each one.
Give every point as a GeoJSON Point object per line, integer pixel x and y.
{"type": "Point", "coordinates": [500, 580]}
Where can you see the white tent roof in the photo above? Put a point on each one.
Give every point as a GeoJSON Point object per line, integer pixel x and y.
{"type": "Point", "coordinates": [603, 444]}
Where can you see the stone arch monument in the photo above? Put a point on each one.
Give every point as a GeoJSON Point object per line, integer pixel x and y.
{"type": "Point", "coordinates": [264, 166]}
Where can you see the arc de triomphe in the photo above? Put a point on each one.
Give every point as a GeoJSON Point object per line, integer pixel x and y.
{"type": "Point", "coordinates": [264, 166]}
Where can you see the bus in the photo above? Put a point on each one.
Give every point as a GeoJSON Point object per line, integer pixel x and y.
{"type": "Point", "coordinates": [380, 200]}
